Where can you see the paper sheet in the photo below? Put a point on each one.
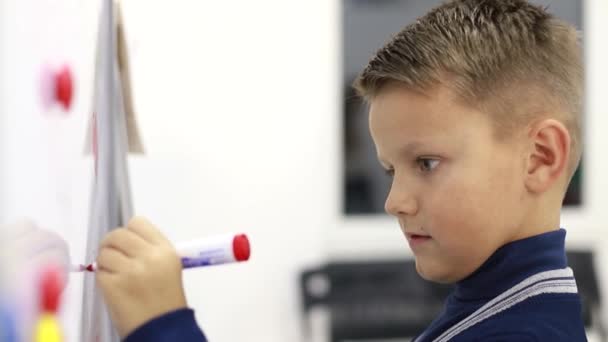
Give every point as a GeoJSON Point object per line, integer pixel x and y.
{"type": "Point", "coordinates": [110, 200]}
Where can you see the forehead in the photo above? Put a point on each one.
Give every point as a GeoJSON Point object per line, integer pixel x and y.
{"type": "Point", "coordinates": [402, 116]}
{"type": "Point", "coordinates": [395, 104]}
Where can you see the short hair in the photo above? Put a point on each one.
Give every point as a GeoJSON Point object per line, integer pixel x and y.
{"type": "Point", "coordinates": [509, 58]}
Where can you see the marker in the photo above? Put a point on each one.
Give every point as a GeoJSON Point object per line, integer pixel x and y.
{"type": "Point", "coordinates": [78, 268]}
{"type": "Point", "coordinates": [51, 284]}
{"type": "Point", "coordinates": [8, 329]}
{"type": "Point", "coordinates": [207, 251]}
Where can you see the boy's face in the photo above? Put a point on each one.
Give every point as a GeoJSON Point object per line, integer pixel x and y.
{"type": "Point", "coordinates": [457, 191]}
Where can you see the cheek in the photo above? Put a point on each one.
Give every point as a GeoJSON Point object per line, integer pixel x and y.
{"type": "Point", "coordinates": [505, 191]}
{"type": "Point", "coordinates": [455, 212]}
{"type": "Point", "coordinates": [470, 206]}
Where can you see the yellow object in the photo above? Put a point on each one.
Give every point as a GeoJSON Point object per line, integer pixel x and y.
{"type": "Point", "coordinates": [47, 329]}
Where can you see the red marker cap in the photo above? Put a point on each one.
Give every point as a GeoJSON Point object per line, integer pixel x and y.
{"type": "Point", "coordinates": [241, 248]}
{"type": "Point", "coordinates": [51, 286]}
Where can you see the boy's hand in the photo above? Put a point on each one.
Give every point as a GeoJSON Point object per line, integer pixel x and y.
{"type": "Point", "coordinates": [139, 273]}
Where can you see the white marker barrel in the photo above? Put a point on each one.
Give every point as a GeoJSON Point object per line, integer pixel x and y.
{"type": "Point", "coordinates": [207, 251]}
{"type": "Point", "coordinates": [214, 250]}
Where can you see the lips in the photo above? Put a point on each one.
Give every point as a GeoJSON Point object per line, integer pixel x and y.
{"type": "Point", "coordinates": [416, 240]}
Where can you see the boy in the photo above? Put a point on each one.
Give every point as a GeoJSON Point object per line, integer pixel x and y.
{"type": "Point", "coordinates": [474, 111]}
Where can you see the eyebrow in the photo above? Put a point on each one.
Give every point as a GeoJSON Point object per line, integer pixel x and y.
{"type": "Point", "coordinates": [407, 149]}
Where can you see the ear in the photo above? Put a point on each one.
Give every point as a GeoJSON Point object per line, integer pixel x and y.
{"type": "Point", "coordinates": [548, 155]}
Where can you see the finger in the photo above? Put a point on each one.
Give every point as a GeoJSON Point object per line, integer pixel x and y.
{"type": "Point", "coordinates": [106, 282]}
{"type": "Point", "coordinates": [105, 278]}
{"type": "Point", "coordinates": [126, 241]}
{"type": "Point", "coordinates": [146, 230]}
{"type": "Point", "coordinates": [111, 260]}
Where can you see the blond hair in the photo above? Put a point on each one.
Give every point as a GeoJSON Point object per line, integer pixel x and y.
{"type": "Point", "coordinates": [509, 58]}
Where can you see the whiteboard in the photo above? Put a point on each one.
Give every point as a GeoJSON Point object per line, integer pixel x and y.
{"type": "Point", "coordinates": [46, 176]}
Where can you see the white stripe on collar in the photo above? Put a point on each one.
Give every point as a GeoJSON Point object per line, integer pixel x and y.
{"type": "Point", "coordinates": [554, 281]}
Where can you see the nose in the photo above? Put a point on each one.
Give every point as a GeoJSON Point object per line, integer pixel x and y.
{"type": "Point", "coordinates": [400, 201]}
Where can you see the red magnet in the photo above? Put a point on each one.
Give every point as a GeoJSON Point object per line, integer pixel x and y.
{"type": "Point", "coordinates": [64, 87]}
{"type": "Point", "coordinates": [51, 286]}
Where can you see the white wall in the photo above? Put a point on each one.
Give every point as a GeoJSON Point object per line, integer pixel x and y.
{"type": "Point", "coordinates": [238, 107]}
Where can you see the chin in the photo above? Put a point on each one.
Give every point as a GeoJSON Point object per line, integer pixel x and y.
{"type": "Point", "coordinates": [435, 274]}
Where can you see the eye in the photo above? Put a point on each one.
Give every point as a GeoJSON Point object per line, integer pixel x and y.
{"type": "Point", "coordinates": [427, 164]}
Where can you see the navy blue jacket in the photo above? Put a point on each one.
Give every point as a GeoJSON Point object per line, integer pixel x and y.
{"type": "Point", "coordinates": [523, 292]}
{"type": "Point", "coordinates": [174, 326]}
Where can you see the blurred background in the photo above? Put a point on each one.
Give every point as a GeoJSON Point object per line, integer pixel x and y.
{"type": "Point", "coordinates": [249, 124]}
{"type": "Point", "coordinates": [366, 25]}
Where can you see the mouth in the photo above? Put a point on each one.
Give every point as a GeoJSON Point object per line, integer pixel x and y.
{"type": "Point", "coordinates": [416, 240]}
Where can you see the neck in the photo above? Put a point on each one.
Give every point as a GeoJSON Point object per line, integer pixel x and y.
{"type": "Point", "coordinates": [541, 216]}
